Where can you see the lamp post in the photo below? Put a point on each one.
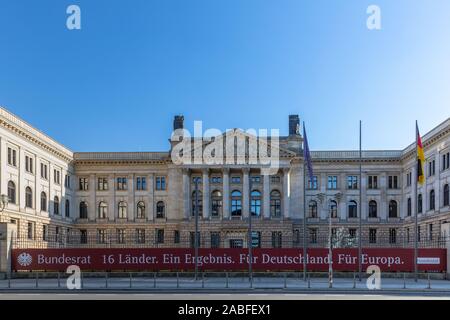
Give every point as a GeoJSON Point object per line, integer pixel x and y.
{"type": "Point", "coordinates": [337, 197]}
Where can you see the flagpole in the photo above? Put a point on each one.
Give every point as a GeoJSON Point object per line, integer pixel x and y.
{"type": "Point", "coordinates": [360, 205]}
{"type": "Point", "coordinates": [305, 256]}
{"type": "Point", "coordinates": [417, 205]}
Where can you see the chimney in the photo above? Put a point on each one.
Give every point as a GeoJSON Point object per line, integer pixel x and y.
{"type": "Point", "coordinates": [294, 125]}
{"type": "Point", "coordinates": [178, 122]}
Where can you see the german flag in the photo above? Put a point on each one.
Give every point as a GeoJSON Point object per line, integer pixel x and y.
{"type": "Point", "coordinates": [420, 158]}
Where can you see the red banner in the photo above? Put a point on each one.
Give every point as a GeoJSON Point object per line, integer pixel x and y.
{"type": "Point", "coordinates": [151, 259]}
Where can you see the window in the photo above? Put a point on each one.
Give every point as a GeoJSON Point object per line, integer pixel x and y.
{"type": "Point", "coordinates": [275, 204]}
{"type": "Point", "coordinates": [393, 182]}
{"type": "Point", "coordinates": [216, 179]}
{"type": "Point", "coordinates": [215, 240]}
{"type": "Point", "coordinates": [140, 214]}
{"type": "Point", "coordinates": [140, 235]}
{"type": "Point", "coordinates": [418, 234]}
{"type": "Point", "coordinates": [28, 164]}
{"type": "Point", "coordinates": [122, 209]}
{"type": "Point", "coordinates": [235, 180]}
{"type": "Point", "coordinates": [67, 208]}
{"type": "Point", "coordinates": [102, 184]}
{"type": "Point", "coordinates": [84, 184]}
{"type": "Point", "coordinates": [419, 203]}
{"type": "Point", "coordinates": [407, 235]}
{"type": "Point", "coordinates": [161, 183]}
{"type": "Point", "coordinates": [392, 235]}
{"type": "Point", "coordinates": [312, 184]}
{"type": "Point", "coordinates": [12, 157]}
{"type": "Point", "coordinates": [373, 182]}
{"type": "Point", "coordinates": [256, 239]}
{"type": "Point", "coordinates": [192, 239]}
{"type": "Point", "coordinates": [101, 235]}
{"type": "Point", "coordinates": [30, 230]}
{"type": "Point", "coordinates": [255, 203]}
{"type": "Point", "coordinates": [43, 201]}
{"type": "Point", "coordinates": [373, 209]}
{"type": "Point", "coordinates": [372, 235]}
{"type": "Point", "coordinates": [44, 232]}
{"type": "Point", "coordinates": [67, 181]}
{"type": "Point", "coordinates": [141, 183]}
{"type": "Point", "coordinates": [352, 233]}
{"type": "Point", "coordinates": [276, 239]}
{"type": "Point", "coordinates": [446, 161]}
{"type": "Point", "coordinates": [312, 209]}
{"type": "Point", "coordinates": [332, 182]}
{"type": "Point", "coordinates": [159, 235]}
{"type": "Point", "coordinates": [56, 176]}
{"type": "Point", "coordinates": [352, 209]}
{"type": "Point", "coordinates": [430, 232]}
{"type": "Point", "coordinates": [313, 235]}
{"type": "Point", "coordinates": [102, 210]}
{"type": "Point", "coordinates": [432, 200]}
{"type": "Point", "coordinates": [236, 203]}
{"type": "Point", "coordinates": [409, 209]}
{"type": "Point", "coordinates": [176, 236]}
{"type": "Point", "coordinates": [408, 179]}
{"type": "Point", "coordinates": [275, 179]}
{"type": "Point", "coordinates": [393, 209]}
{"type": "Point", "coordinates": [296, 237]}
{"type": "Point", "coordinates": [332, 208]}
{"type": "Point", "coordinates": [28, 197]}
{"type": "Point", "coordinates": [255, 179]}
{"type": "Point", "coordinates": [197, 179]}
{"type": "Point", "coordinates": [56, 205]}
{"type": "Point", "coordinates": [446, 195]}
{"type": "Point", "coordinates": [121, 183]}
{"type": "Point", "coordinates": [352, 182]}
{"type": "Point", "coordinates": [83, 236]}
{"type": "Point", "coordinates": [160, 209]}
{"type": "Point", "coordinates": [83, 210]}
{"type": "Point", "coordinates": [120, 235]}
{"type": "Point", "coordinates": [197, 198]}
{"type": "Point", "coordinates": [44, 172]}
{"type": "Point", "coordinates": [431, 168]}
{"type": "Point", "coordinates": [12, 192]}
{"type": "Point", "coordinates": [216, 203]}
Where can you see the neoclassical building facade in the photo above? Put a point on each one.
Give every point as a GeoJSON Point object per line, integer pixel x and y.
{"type": "Point", "coordinates": [62, 198]}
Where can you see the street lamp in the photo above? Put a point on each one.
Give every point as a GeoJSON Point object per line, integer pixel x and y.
{"type": "Point", "coordinates": [337, 197]}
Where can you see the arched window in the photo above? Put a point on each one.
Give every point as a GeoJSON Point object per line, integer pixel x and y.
{"type": "Point", "coordinates": [200, 203]}
{"type": "Point", "coordinates": [56, 205]}
{"type": "Point", "coordinates": [432, 200]}
{"type": "Point", "coordinates": [373, 209]}
{"type": "Point", "coordinates": [28, 197]}
{"type": "Point", "coordinates": [102, 210]}
{"type": "Point", "coordinates": [67, 208]}
{"type": "Point", "coordinates": [275, 203]}
{"type": "Point", "coordinates": [446, 195]}
{"type": "Point", "coordinates": [83, 210]}
{"type": "Point", "coordinates": [236, 203]}
{"type": "Point", "coordinates": [43, 201]}
{"type": "Point", "coordinates": [332, 209]}
{"type": "Point", "coordinates": [160, 209]}
{"type": "Point", "coordinates": [419, 203]}
{"type": "Point", "coordinates": [216, 204]}
{"type": "Point", "coordinates": [312, 209]}
{"type": "Point", "coordinates": [140, 210]}
{"type": "Point", "coordinates": [393, 209]}
{"type": "Point", "coordinates": [255, 203]}
{"type": "Point", "coordinates": [12, 192]}
{"type": "Point", "coordinates": [409, 209]}
{"type": "Point", "coordinates": [352, 209]}
{"type": "Point", "coordinates": [122, 210]}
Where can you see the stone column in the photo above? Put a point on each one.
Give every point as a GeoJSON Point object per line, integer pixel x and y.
{"type": "Point", "coordinates": [186, 193]}
{"type": "Point", "coordinates": [437, 184]}
{"type": "Point", "coordinates": [131, 205]}
{"type": "Point", "coordinates": [286, 195]}
{"type": "Point", "coordinates": [206, 194]}
{"type": "Point", "coordinates": [151, 197]}
{"type": "Point", "coordinates": [111, 198]}
{"type": "Point", "coordinates": [245, 193]}
{"type": "Point", "coordinates": [383, 207]}
{"type": "Point", "coordinates": [92, 204]}
{"type": "Point", "coordinates": [266, 196]}
{"type": "Point", "coordinates": [226, 193]}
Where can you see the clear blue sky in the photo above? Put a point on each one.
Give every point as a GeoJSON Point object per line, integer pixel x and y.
{"type": "Point", "coordinates": [116, 84]}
